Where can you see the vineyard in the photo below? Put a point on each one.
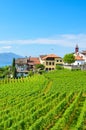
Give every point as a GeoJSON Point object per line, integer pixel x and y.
{"type": "Point", "coordinates": [53, 101]}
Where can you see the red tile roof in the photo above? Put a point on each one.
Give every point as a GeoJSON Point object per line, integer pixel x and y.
{"type": "Point", "coordinates": [33, 60]}
{"type": "Point", "coordinates": [51, 56]}
{"type": "Point", "coordinates": [78, 58]}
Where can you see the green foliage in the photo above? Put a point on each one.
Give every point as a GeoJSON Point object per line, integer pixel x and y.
{"type": "Point", "coordinates": [41, 71]}
{"type": "Point", "coordinates": [13, 68]}
{"type": "Point", "coordinates": [69, 58]}
{"type": "Point", "coordinates": [5, 72]}
{"type": "Point", "coordinates": [13, 63]}
{"type": "Point", "coordinates": [32, 103]}
{"type": "Point", "coordinates": [40, 66]}
{"type": "Point", "coordinates": [14, 72]}
{"type": "Point", "coordinates": [59, 67]}
{"type": "Point", "coordinates": [30, 73]}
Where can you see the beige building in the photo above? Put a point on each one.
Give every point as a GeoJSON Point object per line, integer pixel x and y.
{"type": "Point", "coordinates": [50, 61]}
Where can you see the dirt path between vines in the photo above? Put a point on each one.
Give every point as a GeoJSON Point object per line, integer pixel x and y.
{"type": "Point", "coordinates": [48, 87]}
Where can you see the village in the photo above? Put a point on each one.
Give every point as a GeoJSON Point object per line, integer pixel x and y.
{"type": "Point", "coordinates": [50, 61]}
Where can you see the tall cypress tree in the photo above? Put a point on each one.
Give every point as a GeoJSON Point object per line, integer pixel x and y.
{"type": "Point", "coordinates": [13, 68]}
{"type": "Point", "coordinates": [13, 63]}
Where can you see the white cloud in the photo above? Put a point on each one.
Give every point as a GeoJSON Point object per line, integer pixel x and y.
{"type": "Point", "coordinates": [63, 39]}
{"type": "Point", "coordinates": [5, 48]}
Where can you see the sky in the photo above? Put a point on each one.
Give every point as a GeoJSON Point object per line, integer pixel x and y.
{"type": "Point", "coordinates": [35, 27]}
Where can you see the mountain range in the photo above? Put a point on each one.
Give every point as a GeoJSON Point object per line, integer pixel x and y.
{"type": "Point", "coordinates": [6, 58]}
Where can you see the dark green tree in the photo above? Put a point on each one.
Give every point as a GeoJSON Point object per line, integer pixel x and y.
{"type": "Point", "coordinates": [14, 72]}
{"type": "Point", "coordinates": [13, 63]}
{"type": "Point", "coordinates": [13, 68]}
{"type": "Point", "coordinates": [40, 66]}
{"type": "Point", "coordinates": [69, 58]}
{"type": "Point", "coordinates": [5, 72]}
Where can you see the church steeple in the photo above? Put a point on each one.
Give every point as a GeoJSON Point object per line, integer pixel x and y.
{"type": "Point", "coordinates": [76, 48]}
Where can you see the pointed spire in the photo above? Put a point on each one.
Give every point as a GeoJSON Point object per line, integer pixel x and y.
{"type": "Point", "coordinates": [76, 48]}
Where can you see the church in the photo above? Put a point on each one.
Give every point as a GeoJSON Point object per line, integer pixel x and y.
{"type": "Point", "coordinates": [80, 57]}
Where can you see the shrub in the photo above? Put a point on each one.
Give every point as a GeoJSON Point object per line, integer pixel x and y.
{"type": "Point", "coordinates": [59, 67]}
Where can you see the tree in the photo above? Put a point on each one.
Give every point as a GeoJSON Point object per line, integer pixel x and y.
{"type": "Point", "coordinates": [31, 73]}
{"type": "Point", "coordinates": [40, 66]}
{"type": "Point", "coordinates": [5, 72]}
{"type": "Point", "coordinates": [14, 72]}
{"type": "Point", "coordinates": [69, 58]}
{"type": "Point", "coordinates": [13, 68]}
{"type": "Point", "coordinates": [13, 63]}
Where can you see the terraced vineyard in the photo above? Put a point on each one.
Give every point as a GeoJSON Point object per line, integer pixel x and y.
{"type": "Point", "coordinates": [53, 101]}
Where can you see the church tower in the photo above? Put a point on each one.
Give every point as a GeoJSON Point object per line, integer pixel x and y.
{"type": "Point", "coordinates": [76, 48]}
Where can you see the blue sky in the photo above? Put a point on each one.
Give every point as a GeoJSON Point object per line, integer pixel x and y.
{"type": "Point", "coordinates": [34, 27]}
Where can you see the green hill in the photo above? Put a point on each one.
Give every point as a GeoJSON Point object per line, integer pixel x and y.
{"type": "Point", "coordinates": [53, 101]}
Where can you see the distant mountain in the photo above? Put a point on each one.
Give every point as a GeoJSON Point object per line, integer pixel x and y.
{"type": "Point", "coordinates": [6, 58]}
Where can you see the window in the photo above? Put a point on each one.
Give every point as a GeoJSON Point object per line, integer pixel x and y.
{"type": "Point", "coordinates": [49, 63]}
{"type": "Point", "coordinates": [50, 58]}
{"type": "Point", "coordinates": [57, 60]}
{"type": "Point", "coordinates": [52, 63]}
{"type": "Point", "coordinates": [46, 69]}
{"type": "Point", "coordinates": [60, 60]}
{"type": "Point", "coordinates": [22, 69]}
{"type": "Point", "coordinates": [46, 63]}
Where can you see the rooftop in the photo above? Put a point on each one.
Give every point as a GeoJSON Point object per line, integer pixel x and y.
{"type": "Point", "coordinates": [33, 60]}
{"type": "Point", "coordinates": [78, 58]}
{"type": "Point", "coordinates": [21, 61]}
{"type": "Point", "coordinates": [51, 56]}
{"type": "Point", "coordinates": [84, 52]}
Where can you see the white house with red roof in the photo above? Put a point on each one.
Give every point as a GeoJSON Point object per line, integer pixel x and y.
{"type": "Point", "coordinates": [80, 57]}
{"type": "Point", "coordinates": [78, 60]}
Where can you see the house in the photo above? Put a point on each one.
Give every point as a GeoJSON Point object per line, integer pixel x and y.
{"type": "Point", "coordinates": [24, 65]}
{"type": "Point", "coordinates": [50, 61]}
{"type": "Point", "coordinates": [84, 52]}
{"type": "Point", "coordinates": [21, 67]}
{"type": "Point", "coordinates": [32, 62]}
{"type": "Point", "coordinates": [80, 57]}
{"type": "Point", "coordinates": [78, 60]}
